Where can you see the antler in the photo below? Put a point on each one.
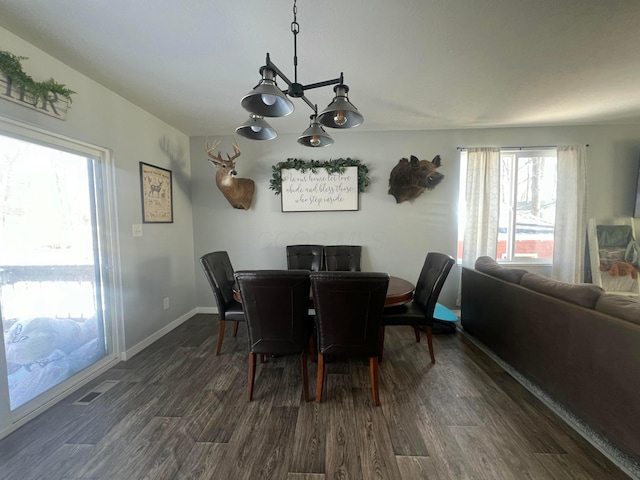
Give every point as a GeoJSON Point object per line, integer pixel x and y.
{"type": "Point", "coordinates": [236, 149]}
{"type": "Point", "coordinates": [210, 148]}
{"type": "Point", "coordinates": [209, 151]}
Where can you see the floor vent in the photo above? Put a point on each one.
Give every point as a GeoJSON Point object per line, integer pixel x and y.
{"type": "Point", "coordinates": [96, 392]}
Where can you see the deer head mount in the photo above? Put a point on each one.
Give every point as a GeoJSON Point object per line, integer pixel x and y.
{"type": "Point", "coordinates": [237, 191]}
{"type": "Point", "coordinates": [410, 178]}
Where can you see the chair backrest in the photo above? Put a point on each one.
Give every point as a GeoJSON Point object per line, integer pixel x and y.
{"type": "Point", "coordinates": [305, 257]}
{"type": "Point", "coordinates": [219, 272]}
{"type": "Point", "coordinates": [434, 272]}
{"type": "Point", "coordinates": [276, 306]}
{"type": "Point", "coordinates": [342, 258]}
{"type": "Point", "coordinates": [349, 308]}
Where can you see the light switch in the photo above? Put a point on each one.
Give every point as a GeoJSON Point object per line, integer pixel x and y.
{"type": "Point", "coordinates": [137, 229]}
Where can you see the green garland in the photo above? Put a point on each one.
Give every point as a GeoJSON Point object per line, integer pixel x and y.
{"type": "Point", "coordinates": [332, 166]}
{"type": "Point", "coordinates": [11, 67]}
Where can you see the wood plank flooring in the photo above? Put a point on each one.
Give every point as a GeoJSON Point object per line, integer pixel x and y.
{"type": "Point", "coordinates": [179, 412]}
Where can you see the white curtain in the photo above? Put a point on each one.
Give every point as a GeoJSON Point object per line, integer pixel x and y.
{"type": "Point", "coordinates": [481, 207]}
{"type": "Point", "coordinates": [571, 215]}
{"type": "Point", "coordinates": [482, 204]}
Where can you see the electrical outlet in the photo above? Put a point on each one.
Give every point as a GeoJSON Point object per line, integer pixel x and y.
{"type": "Point", "coordinates": [166, 303]}
{"type": "Point", "coordinates": [137, 229]}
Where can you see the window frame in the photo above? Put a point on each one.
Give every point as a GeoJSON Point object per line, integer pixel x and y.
{"type": "Point", "coordinates": [516, 153]}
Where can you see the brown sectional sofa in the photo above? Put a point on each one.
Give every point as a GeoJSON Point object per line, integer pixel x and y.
{"type": "Point", "coordinates": [578, 344]}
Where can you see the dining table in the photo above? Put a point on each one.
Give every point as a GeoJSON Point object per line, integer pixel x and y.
{"type": "Point", "coordinates": [399, 292]}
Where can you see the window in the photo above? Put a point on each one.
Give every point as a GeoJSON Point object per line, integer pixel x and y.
{"type": "Point", "coordinates": [527, 200]}
{"type": "Point", "coordinates": [59, 285]}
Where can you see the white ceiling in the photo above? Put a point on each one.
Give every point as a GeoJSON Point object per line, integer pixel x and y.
{"type": "Point", "coordinates": [410, 64]}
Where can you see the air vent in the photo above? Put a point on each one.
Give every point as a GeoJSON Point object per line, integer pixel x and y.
{"type": "Point", "coordinates": [96, 392]}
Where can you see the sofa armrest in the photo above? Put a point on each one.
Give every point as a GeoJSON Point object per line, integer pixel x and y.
{"type": "Point", "coordinates": [489, 266]}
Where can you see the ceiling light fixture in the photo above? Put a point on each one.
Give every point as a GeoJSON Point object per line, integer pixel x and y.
{"type": "Point", "coordinates": [267, 100]}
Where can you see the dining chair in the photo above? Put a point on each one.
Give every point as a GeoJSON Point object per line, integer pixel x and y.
{"type": "Point", "coordinates": [342, 258]}
{"type": "Point", "coordinates": [348, 308]}
{"type": "Point", "coordinates": [419, 312]}
{"type": "Point", "coordinates": [219, 272]}
{"type": "Point", "coordinates": [276, 305]}
{"type": "Point", "coordinates": [305, 257]}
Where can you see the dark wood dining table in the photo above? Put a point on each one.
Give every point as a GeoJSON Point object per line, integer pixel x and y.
{"type": "Point", "coordinates": [399, 292]}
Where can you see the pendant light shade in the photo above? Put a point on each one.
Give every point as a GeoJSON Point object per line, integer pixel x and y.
{"type": "Point", "coordinates": [267, 100]}
{"type": "Point", "coordinates": [340, 113]}
{"type": "Point", "coordinates": [256, 128]}
{"type": "Point", "coordinates": [315, 136]}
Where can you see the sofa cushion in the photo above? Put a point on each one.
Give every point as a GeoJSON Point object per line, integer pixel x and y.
{"type": "Point", "coordinates": [583, 294]}
{"type": "Point", "coordinates": [489, 266]}
{"type": "Point", "coordinates": [620, 306]}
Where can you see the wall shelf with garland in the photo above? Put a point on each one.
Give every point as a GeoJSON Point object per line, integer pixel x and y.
{"type": "Point", "coordinates": [48, 97]}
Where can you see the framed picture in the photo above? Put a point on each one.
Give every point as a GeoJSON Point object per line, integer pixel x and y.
{"type": "Point", "coordinates": [307, 191]}
{"type": "Point", "coordinates": [157, 194]}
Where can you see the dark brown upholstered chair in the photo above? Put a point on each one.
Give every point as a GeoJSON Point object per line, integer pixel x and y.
{"type": "Point", "coordinates": [305, 257]}
{"type": "Point", "coordinates": [276, 305]}
{"type": "Point", "coordinates": [419, 312]}
{"type": "Point", "coordinates": [344, 258]}
{"type": "Point", "coordinates": [218, 270]}
{"type": "Point", "coordinates": [349, 308]}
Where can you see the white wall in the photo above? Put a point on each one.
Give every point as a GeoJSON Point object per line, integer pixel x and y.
{"type": "Point", "coordinates": [159, 264]}
{"type": "Point", "coordinates": [395, 237]}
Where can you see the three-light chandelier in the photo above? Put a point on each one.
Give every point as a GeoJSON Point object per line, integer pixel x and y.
{"type": "Point", "coordinates": [267, 100]}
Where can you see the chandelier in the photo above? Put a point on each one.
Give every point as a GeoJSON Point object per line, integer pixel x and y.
{"type": "Point", "coordinates": [267, 100]}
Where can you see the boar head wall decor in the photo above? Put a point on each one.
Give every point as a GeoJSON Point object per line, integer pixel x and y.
{"type": "Point", "coordinates": [409, 178]}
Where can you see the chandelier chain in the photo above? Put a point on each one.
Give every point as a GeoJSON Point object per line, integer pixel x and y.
{"type": "Point", "coordinates": [295, 28]}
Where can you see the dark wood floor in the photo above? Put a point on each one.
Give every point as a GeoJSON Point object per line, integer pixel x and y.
{"type": "Point", "coordinates": [179, 412]}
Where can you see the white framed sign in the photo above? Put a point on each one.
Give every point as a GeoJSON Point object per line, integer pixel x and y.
{"type": "Point", "coordinates": [306, 191]}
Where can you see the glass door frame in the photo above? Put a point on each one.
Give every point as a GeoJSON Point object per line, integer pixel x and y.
{"type": "Point", "coordinates": [106, 234]}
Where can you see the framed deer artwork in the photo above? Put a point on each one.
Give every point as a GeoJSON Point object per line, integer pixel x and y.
{"type": "Point", "coordinates": [157, 194]}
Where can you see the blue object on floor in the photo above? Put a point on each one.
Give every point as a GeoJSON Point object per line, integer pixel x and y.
{"type": "Point", "coordinates": [444, 320]}
{"type": "Point", "coordinates": [443, 313]}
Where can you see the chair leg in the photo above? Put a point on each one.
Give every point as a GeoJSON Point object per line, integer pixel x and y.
{"type": "Point", "coordinates": [235, 328]}
{"type": "Point", "coordinates": [320, 378]}
{"type": "Point", "coordinates": [305, 377]}
{"type": "Point", "coordinates": [373, 370]}
{"type": "Point", "coordinates": [380, 343]}
{"type": "Point", "coordinates": [220, 337]}
{"type": "Point", "coordinates": [252, 374]}
{"type": "Point", "coordinates": [416, 330]}
{"type": "Point", "coordinates": [430, 343]}
{"type": "Point", "coordinates": [312, 350]}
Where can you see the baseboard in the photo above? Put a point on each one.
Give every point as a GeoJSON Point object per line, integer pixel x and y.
{"type": "Point", "coordinates": [213, 310]}
{"type": "Point", "coordinates": [157, 335]}
{"type": "Point", "coordinates": [627, 464]}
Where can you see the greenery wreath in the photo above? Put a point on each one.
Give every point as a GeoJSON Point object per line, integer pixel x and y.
{"type": "Point", "coordinates": [11, 67]}
{"type": "Point", "coordinates": [331, 166]}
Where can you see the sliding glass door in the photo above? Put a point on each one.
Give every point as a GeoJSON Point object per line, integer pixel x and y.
{"type": "Point", "coordinates": [56, 295]}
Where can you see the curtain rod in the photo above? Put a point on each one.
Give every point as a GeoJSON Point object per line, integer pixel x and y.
{"type": "Point", "coordinates": [517, 148]}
